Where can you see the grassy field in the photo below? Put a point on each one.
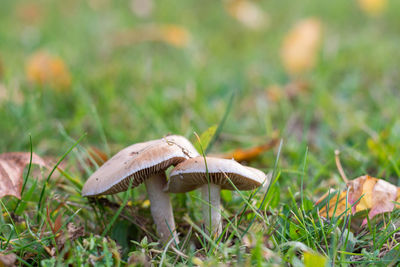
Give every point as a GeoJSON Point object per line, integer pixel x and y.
{"type": "Point", "coordinates": [126, 85]}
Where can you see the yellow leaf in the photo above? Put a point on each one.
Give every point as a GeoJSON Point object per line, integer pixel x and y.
{"type": "Point", "coordinates": [248, 154]}
{"type": "Point", "coordinates": [175, 35]}
{"type": "Point", "coordinates": [45, 69]}
{"type": "Point", "coordinates": [248, 13]}
{"type": "Point", "coordinates": [301, 45]}
{"type": "Point", "coordinates": [205, 138]}
{"type": "Point", "coordinates": [365, 193]}
{"type": "Point", "coordinates": [171, 34]}
{"type": "Point", "coordinates": [314, 260]}
{"type": "Point", "coordinates": [373, 7]}
{"type": "Point", "coordinates": [197, 261]}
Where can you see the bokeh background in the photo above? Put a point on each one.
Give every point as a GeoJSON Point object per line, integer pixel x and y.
{"type": "Point", "coordinates": [320, 75]}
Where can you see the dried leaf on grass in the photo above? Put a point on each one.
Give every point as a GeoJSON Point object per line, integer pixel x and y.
{"type": "Point", "coordinates": [249, 154]}
{"type": "Point", "coordinates": [61, 236]}
{"type": "Point", "coordinates": [171, 34]}
{"type": "Point", "coordinates": [7, 260]}
{"type": "Point", "coordinates": [373, 7]}
{"type": "Point", "coordinates": [301, 45]}
{"type": "Point", "coordinates": [45, 69]}
{"type": "Point", "coordinates": [11, 171]}
{"type": "Point", "coordinates": [142, 8]}
{"type": "Point", "coordinates": [12, 94]}
{"type": "Point", "coordinates": [98, 156]}
{"type": "Point", "coordinates": [364, 193]}
{"type": "Point", "coordinates": [30, 13]}
{"type": "Point", "coordinates": [248, 13]}
{"type": "Point", "coordinates": [290, 91]}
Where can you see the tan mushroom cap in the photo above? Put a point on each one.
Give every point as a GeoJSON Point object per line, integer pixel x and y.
{"type": "Point", "coordinates": [138, 162]}
{"type": "Point", "coordinates": [191, 174]}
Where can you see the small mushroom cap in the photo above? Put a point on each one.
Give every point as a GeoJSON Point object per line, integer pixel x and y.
{"type": "Point", "coordinates": [138, 162]}
{"type": "Point", "coordinates": [191, 174]}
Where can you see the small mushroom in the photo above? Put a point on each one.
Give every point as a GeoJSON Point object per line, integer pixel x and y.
{"type": "Point", "coordinates": [192, 174]}
{"type": "Point", "coordinates": [144, 162]}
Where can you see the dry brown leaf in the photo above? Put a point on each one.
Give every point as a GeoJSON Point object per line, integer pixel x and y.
{"type": "Point", "coordinates": [290, 91]}
{"type": "Point", "coordinates": [365, 193]}
{"type": "Point", "coordinates": [45, 69]}
{"type": "Point", "coordinates": [301, 45]}
{"type": "Point", "coordinates": [174, 35]}
{"type": "Point", "coordinates": [7, 260]}
{"type": "Point", "coordinates": [30, 13]}
{"type": "Point", "coordinates": [248, 13]}
{"type": "Point", "coordinates": [373, 7]}
{"type": "Point", "coordinates": [97, 156]}
{"type": "Point", "coordinates": [142, 8]}
{"type": "Point", "coordinates": [11, 171]}
{"type": "Point", "coordinates": [13, 95]}
{"type": "Point", "coordinates": [248, 154]}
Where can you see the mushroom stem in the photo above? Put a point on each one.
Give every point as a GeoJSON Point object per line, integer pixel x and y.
{"type": "Point", "coordinates": [160, 206]}
{"type": "Point", "coordinates": [211, 209]}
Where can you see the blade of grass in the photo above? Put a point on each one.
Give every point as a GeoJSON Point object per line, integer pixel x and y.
{"type": "Point", "coordinates": [27, 173]}
{"type": "Point", "coordinates": [222, 122]}
{"type": "Point", "coordinates": [266, 192]}
{"type": "Point", "coordinates": [114, 218]}
{"type": "Point", "coordinates": [54, 168]}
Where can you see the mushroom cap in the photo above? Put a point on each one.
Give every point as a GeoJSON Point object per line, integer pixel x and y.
{"type": "Point", "coordinates": [191, 174]}
{"type": "Point", "coordinates": [138, 162]}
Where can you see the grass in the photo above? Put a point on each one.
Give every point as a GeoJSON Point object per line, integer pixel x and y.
{"type": "Point", "coordinates": [122, 95]}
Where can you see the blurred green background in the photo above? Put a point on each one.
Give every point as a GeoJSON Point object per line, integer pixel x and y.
{"type": "Point", "coordinates": [137, 70]}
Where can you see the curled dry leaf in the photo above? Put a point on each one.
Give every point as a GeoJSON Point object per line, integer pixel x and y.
{"type": "Point", "coordinates": [290, 91]}
{"type": "Point", "coordinates": [142, 8]}
{"type": "Point", "coordinates": [171, 34]}
{"type": "Point", "coordinates": [248, 154]}
{"type": "Point", "coordinates": [373, 7]}
{"type": "Point", "coordinates": [30, 13]}
{"type": "Point", "coordinates": [11, 171]}
{"type": "Point", "coordinates": [300, 46]}
{"type": "Point", "coordinates": [7, 260]}
{"type": "Point", "coordinates": [13, 94]}
{"type": "Point", "coordinates": [364, 193]}
{"type": "Point", "coordinates": [45, 69]}
{"type": "Point", "coordinates": [248, 13]}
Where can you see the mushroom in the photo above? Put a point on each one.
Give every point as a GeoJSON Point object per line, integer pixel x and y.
{"type": "Point", "coordinates": [192, 174]}
{"type": "Point", "coordinates": [144, 162]}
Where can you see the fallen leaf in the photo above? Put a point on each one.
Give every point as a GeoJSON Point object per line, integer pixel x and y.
{"type": "Point", "coordinates": [290, 91]}
{"type": "Point", "coordinates": [248, 13]}
{"type": "Point", "coordinates": [365, 193]}
{"type": "Point", "coordinates": [175, 35]}
{"type": "Point", "coordinates": [205, 138]}
{"type": "Point", "coordinates": [13, 95]}
{"type": "Point", "coordinates": [97, 155]}
{"type": "Point", "coordinates": [11, 171]}
{"type": "Point", "coordinates": [248, 154]}
{"type": "Point", "coordinates": [142, 8]}
{"type": "Point", "coordinates": [301, 45]}
{"type": "Point", "coordinates": [30, 13]}
{"type": "Point", "coordinates": [171, 34]}
{"type": "Point", "coordinates": [275, 93]}
{"type": "Point", "coordinates": [7, 260]}
{"type": "Point", "coordinates": [137, 258]}
{"type": "Point", "coordinates": [44, 69]}
{"type": "Point", "coordinates": [312, 259]}
{"type": "Point", "coordinates": [373, 7]}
